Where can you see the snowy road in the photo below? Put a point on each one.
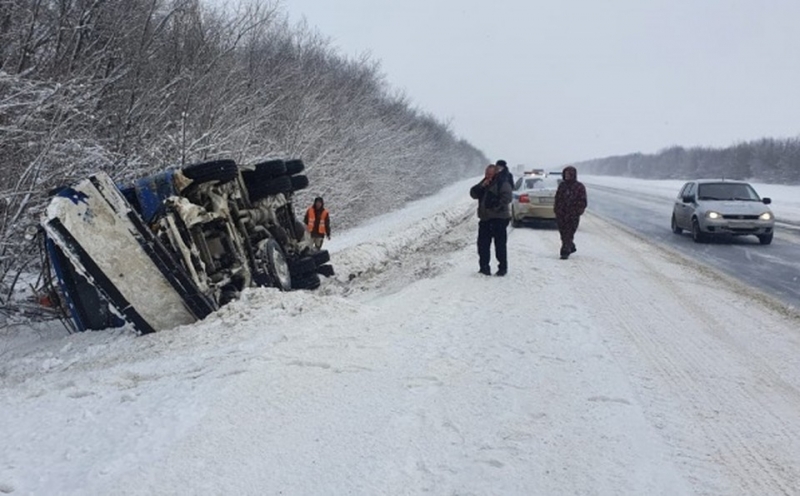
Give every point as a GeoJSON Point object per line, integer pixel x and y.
{"type": "Point", "coordinates": [774, 269]}
{"type": "Point", "coordinates": [624, 370]}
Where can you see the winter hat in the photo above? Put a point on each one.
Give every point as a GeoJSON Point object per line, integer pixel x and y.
{"type": "Point", "coordinates": [502, 163]}
{"type": "Point", "coordinates": [320, 200]}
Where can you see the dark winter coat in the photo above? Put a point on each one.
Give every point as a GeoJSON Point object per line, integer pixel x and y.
{"type": "Point", "coordinates": [570, 196]}
{"type": "Point", "coordinates": [494, 199]}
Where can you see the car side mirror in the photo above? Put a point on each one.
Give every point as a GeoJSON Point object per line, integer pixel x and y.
{"type": "Point", "coordinates": [766, 201]}
{"type": "Point", "coordinates": [688, 199]}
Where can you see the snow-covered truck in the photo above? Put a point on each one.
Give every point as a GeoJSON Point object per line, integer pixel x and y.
{"type": "Point", "coordinates": [173, 247]}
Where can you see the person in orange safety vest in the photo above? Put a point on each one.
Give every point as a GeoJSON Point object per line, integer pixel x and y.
{"type": "Point", "coordinates": [318, 222]}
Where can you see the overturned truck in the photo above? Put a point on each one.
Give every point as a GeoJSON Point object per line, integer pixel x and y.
{"type": "Point", "coordinates": [173, 247]}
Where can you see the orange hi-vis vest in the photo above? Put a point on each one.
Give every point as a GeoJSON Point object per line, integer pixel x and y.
{"type": "Point", "coordinates": [312, 220]}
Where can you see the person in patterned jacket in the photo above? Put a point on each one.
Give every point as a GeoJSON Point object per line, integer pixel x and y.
{"type": "Point", "coordinates": [570, 205]}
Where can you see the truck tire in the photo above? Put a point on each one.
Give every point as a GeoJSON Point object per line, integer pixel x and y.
{"type": "Point", "coordinates": [277, 267]}
{"type": "Point", "coordinates": [307, 281]}
{"type": "Point", "coordinates": [302, 266]}
{"type": "Point", "coordinates": [259, 190]}
{"type": "Point", "coordinates": [271, 168]}
{"type": "Point", "coordinates": [264, 171]}
{"type": "Point", "coordinates": [321, 257]}
{"type": "Point", "coordinates": [217, 170]}
{"type": "Point", "coordinates": [299, 182]}
{"type": "Point", "coordinates": [295, 166]}
{"type": "Point", "coordinates": [325, 270]}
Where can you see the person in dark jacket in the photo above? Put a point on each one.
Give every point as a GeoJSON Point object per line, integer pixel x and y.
{"type": "Point", "coordinates": [494, 197]}
{"type": "Point", "coordinates": [317, 221]}
{"type": "Point", "coordinates": [503, 164]}
{"type": "Point", "coordinates": [569, 205]}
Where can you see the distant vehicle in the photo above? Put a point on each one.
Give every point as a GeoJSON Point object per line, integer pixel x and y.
{"type": "Point", "coordinates": [174, 247]}
{"type": "Point", "coordinates": [708, 208]}
{"type": "Point", "coordinates": [555, 174]}
{"type": "Point", "coordinates": [533, 199]}
{"type": "Point", "coordinates": [535, 172]}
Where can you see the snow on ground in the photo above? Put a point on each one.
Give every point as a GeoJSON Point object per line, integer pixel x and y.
{"type": "Point", "coordinates": [624, 370]}
{"type": "Point", "coordinates": [785, 199]}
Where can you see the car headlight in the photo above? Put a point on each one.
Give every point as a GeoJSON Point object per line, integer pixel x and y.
{"type": "Point", "coordinates": [713, 215]}
{"type": "Point", "coordinates": [765, 216]}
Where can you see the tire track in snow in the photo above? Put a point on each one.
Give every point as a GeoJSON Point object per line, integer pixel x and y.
{"type": "Point", "coordinates": [743, 428]}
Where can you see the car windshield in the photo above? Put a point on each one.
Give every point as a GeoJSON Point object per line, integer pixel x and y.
{"type": "Point", "coordinates": [726, 191]}
{"type": "Point", "coordinates": [535, 183]}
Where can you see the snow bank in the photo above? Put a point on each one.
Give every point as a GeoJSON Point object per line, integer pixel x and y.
{"type": "Point", "coordinates": [624, 370]}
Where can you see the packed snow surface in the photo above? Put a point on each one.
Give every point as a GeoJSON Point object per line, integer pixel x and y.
{"type": "Point", "coordinates": [626, 369]}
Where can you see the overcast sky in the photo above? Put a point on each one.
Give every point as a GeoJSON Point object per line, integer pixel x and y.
{"type": "Point", "coordinates": [547, 82]}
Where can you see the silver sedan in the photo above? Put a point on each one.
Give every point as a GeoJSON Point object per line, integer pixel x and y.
{"type": "Point", "coordinates": [534, 198]}
{"type": "Point", "coordinates": [708, 208]}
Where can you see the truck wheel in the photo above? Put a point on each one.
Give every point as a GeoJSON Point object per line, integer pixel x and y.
{"type": "Point", "coordinates": [217, 170]}
{"type": "Point", "coordinates": [277, 266]}
{"type": "Point", "coordinates": [325, 270]}
{"type": "Point", "coordinates": [259, 190]}
{"type": "Point", "coordinates": [321, 257]}
{"type": "Point", "coordinates": [295, 166]}
{"type": "Point", "coordinates": [299, 182]}
{"type": "Point", "coordinates": [270, 168]}
{"type": "Point", "coordinates": [302, 266]}
{"type": "Point", "coordinates": [307, 281]}
{"type": "Point", "coordinates": [264, 171]}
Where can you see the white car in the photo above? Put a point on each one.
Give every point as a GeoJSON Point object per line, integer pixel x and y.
{"type": "Point", "coordinates": [708, 208]}
{"type": "Point", "coordinates": [533, 199]}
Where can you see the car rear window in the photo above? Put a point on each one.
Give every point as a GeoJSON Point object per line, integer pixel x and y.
{"type": "Point", "coordinates": [726, 191]}
{"type": "Point", "coordinates": [541, 183]}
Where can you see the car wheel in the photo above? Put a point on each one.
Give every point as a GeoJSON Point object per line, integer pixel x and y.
{"type": "Point", "coordinates": [515, 222]}
{"type": "Point", "coordinates": [765, 239]}
{"type": "Point", "coordinates": [277, 266]}
{"type": "Point", "coordinates": [675, 228]}
{"type": "Point", "coordinates": [217, 170]}
{"type": "Point", "coordinates": [697, 234]}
